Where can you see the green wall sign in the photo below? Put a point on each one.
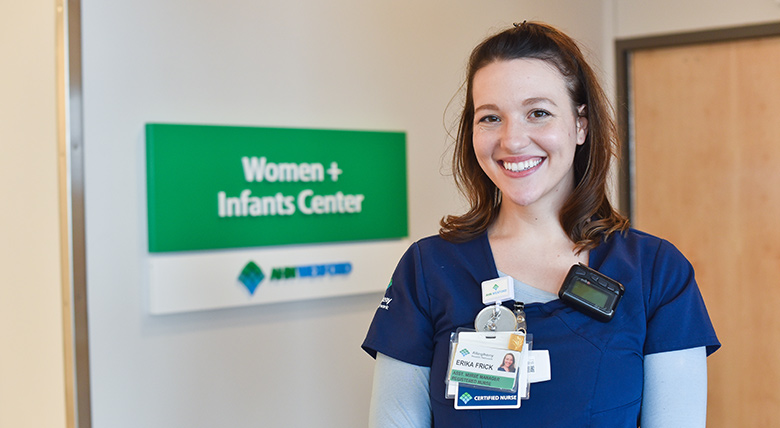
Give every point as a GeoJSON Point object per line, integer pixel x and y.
{"type": "Point", "coordinates": [211, 187]}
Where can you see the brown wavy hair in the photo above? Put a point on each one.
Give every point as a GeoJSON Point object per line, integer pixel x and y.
{"type": "Point", "coordinates": [587, 215]}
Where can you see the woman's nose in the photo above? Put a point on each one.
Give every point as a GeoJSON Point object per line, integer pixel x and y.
{"type": "Point", "coordinates": [514, 136]}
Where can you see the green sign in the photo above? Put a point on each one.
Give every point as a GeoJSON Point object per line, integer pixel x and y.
{"type": "Point", "coordinates": [211, 187]}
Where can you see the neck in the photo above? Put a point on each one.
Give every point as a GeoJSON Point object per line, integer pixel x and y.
{"type": "Point", "coordinates": [527, 223]}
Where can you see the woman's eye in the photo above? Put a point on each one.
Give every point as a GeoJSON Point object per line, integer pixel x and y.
{"type": "Point", "coordinates": [489, 119]}
{"type": "Point", "coordinates": [537, 114]}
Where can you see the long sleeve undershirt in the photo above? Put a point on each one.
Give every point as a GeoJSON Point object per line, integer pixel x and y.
{"type": "Point", "coordinates": [674, 393]}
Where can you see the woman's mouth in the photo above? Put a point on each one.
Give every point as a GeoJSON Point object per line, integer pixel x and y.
{"type": "Point", "coordinates": [521, 166]}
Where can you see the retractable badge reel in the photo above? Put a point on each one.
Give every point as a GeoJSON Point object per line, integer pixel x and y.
{"type": "Point", "coordinates": [496, 317]}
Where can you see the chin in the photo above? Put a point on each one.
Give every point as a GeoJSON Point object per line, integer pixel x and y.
{"type": "Point", "coordinates": [521, 200]}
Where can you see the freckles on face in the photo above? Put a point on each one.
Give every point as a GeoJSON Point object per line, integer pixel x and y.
{"type": "Point", "coordinates": [525, 129]}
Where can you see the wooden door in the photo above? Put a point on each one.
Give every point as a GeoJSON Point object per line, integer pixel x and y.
{"type": "Point", "coordinates": [706, 122]}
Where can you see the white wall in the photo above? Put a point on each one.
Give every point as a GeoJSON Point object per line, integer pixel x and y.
{"type": "Point", "coordinates": [634, 18]}
{"type": "Point", "coordinates": [345, 64]}
{"type": "Point", "coordinates": [32, 391]}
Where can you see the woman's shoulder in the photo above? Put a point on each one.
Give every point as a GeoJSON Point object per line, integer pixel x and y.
{"type": "Point", "coordinates": [472, 255]}
{"type": "Point", "coordinates": [641, 246]}
{"type": "Point", "coordinates": [438, 243]}
{"type": "Point", "coordinates": [637, 239]}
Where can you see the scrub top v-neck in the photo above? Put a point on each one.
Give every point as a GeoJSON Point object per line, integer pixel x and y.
{"type": "Point", "coordinates": [596, 367]}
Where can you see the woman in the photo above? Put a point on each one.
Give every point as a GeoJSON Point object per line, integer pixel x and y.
{"type": "Point", "coordinates": [532, 157]}
{"type": "Point", "coordinates": [508, 364]}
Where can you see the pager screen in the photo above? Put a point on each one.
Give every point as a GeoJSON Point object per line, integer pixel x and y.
{"type": "Point", "coordinates": [587, 292]}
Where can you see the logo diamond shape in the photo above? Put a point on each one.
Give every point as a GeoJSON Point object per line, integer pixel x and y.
{"type": "Point", "coordinates": [465, 397]}
{"type": "Point", "coordinates": [251, 276]}
{"type": "Point", "coordinates": [464, 352]}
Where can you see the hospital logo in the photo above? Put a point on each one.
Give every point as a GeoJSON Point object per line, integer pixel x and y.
{"type": "Point", "coordinates": [465, 397]}
{"type": "Point", "coordinates": [464, 352]}
{"type": "Point", "coordinates": [252, 275]}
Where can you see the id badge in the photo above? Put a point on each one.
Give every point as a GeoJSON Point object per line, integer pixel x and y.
{"type": "Point", "coordinates": [485, 367]}
{"type": "Point", "coordinates": [485, 373]}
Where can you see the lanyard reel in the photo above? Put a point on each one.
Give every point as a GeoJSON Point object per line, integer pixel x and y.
{"type": "Point", "coordinates": [497, 317]}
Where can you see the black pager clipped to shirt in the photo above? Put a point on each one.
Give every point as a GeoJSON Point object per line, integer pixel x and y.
{"type": "Point", "coordinates": [591, 292]}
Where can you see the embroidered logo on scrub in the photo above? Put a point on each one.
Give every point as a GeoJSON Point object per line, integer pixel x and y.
{"type": "Point", "coordinates": [385, 303]}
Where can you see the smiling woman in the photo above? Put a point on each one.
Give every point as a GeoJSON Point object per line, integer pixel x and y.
{"type": "Point", "coordinates": [526, 126]}
{"type": "Point", "coordinates": [587, 212]}
{"type": "Point", "coordinates": [532, 156]}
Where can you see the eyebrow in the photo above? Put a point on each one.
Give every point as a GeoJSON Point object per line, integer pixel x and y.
{"type": "Point", "coordinates": [486, 107]}
{"type": "Point", "coordinates": [537, 100]}
{"type": "Point", "coordinates": [526, 102]}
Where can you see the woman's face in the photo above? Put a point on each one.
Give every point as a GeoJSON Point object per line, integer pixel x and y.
{"type": "Point", "coordinates": [526, 129]}
{"type": "Point", "coordinates": [509, 359]}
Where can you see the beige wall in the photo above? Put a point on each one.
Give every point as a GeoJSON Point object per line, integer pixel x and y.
{"type": "Point", "coordinates": [31, 356]}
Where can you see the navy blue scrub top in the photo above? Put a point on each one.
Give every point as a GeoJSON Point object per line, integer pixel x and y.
{"type": "Point", "coordinates": [596, 367]}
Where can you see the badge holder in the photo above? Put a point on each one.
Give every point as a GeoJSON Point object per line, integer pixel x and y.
{"type": "Point", "coordinates": [488, 366]}
{"type": "Point", "coordinates": [487, 389]}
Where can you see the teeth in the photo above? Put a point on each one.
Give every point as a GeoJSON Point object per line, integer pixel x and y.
{"type": "Point", "coordinates": [521, 166]}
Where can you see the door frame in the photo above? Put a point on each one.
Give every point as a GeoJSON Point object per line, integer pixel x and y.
{"type": "Point", "coordinates": [624, 48]}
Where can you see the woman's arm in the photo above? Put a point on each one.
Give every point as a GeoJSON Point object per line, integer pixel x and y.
{"type": "Point", "coordinates": [400, 396]}
{"type": "Point", "coordinates": [675, 389]}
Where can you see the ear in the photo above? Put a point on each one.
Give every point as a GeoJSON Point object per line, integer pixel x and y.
{"type": "Point", "coordinates": [582, 124]}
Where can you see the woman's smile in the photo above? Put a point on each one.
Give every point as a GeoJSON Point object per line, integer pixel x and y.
{"type": "Point", "coordinates": [521, 166]}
